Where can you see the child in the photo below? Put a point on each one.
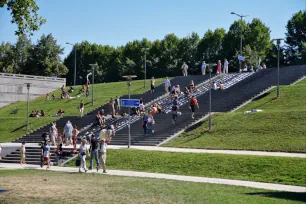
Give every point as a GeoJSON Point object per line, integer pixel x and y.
{"type": "Point", "coordinates": [46, 154]}
{"type": "Point", "coordinates": [22, 153]}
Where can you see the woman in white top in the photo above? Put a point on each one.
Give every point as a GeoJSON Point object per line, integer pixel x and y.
{"type": "Point", "coordinates": [150, 123]}
{"type": "Point", "coordinates": [83, 152]}
{"type": "Point", "coordinates": [53, 133]}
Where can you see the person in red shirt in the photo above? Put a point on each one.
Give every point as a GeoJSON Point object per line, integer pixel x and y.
{"type": "Point", "coordinates": [193, 104]}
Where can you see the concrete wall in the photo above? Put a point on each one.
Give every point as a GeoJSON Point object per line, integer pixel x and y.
{"type": "Point", "coordinates": [13, 87]}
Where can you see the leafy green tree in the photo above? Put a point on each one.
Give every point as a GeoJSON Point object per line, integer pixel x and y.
{"type": "Point", "coordinates": [7, 62]}
{"type": "Point", "coordinates": [296, 37]}
{"type": "Point", "coordinates": [187, 52]}
{"type": "Point", "coordinates": [45, 58]}
{"type": "Point", "coordinates": [24, 15]}
{"type": "Point", "coordinates": [22, 51]}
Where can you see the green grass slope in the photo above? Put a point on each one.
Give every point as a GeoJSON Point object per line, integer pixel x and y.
{"type": "Point", "coordinates": [12, 126]}
{"type": "Point", "coordinates": [280, 127]}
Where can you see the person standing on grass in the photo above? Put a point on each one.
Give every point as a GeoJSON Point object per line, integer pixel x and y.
{"type": "Point", "coordinates": [68, 133]}
{"type": "Point", "coordinates": [75, 133]}
{"type": "Point", "coordinates": [53, 133]}
{"type": "Point", "coordinates": [81, 108]}
{"type": "Point", "coordinates": [152, 85]}
{"type": "Point", "coordinates": [22, 153]}
{"type": "Point", "coordinates": [102, 155]}
{"type": "Point", "coordinates": [93, 151]}
{"type": "Point", "coordinates": [82, 154]}
{"type": "Point", "coordinates": [117, 104]}
{"type": "Point", "coordinates": [219, 67]}
{"type": "Point", "coordinates": [225, 66]}
{"type": "Point", "coordinates": [167, 85]}
{"type": "Point", "coordinates": [193, 104]}
{"type": "Point", "coordinates": [203, 68]}
{"type": "Point", "coordinates": [46, 154]}
{"type": "Point", "coordinates": [185, 69]}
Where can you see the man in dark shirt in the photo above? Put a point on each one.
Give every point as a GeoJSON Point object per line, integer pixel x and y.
{"type": "Point", "coordinates": [93, 151]}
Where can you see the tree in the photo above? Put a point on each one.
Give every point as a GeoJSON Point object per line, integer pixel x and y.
{"type": "Point", "coordinates": [24, 14]}
{"type": "Point", "coordinates": [296, 37]}
{"type": "Point", "coordinates": [22, 51]}
{"type": "Point", "coordinates": [45, 58]}
{"type": "Point", "coordinates": [187, 52]}
{"type": "Point", "coordinates": [7, 62]}
{"type": "Point", "coordinates": [210, 48]}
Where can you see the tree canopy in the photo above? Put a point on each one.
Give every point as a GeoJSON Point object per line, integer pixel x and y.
{"type": "Point", "coordinates": [24, 15]}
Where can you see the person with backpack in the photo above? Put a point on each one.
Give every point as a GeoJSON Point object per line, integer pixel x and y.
{"type": "Point", "coordinates": [193, 104]}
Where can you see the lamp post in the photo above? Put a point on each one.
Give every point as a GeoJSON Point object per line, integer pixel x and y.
{"type": "Point", "coordinates": [28, 99]}
{"type": "Point", "coordinates": [278, 42]}
{"type": "Point", "coordinates": [241, 16]}
{"type": "Point", "coordinates": [210, 87]}
{"type": "Point", "coordinates": [145, 66]}
{"type": "Point", "coordinates": [129, 82]}
{"type": "Point", "coordinates": [74, 77]}
{"type": "Point", "coordinates": [93, 66]}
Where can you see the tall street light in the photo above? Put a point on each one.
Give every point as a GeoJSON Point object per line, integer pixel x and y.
{"type": "Point", "coordinates": [129, 82]}
{"type": "Point", "coordinates": [28, 99]}
{"type": "Point", "coordinates": [278, 42]}
{"type": "Point", "coordinates": [74, 77]}
{"type": "Point", "coordinates": [210, 66]}
{"type": "Point", "coordinates": [145, 66]}
{"type": "Point", "coordinates": [93, 66]}
{"type": "Point", "coordinates": [241, 16]}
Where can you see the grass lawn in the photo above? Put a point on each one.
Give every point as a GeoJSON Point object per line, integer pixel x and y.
{"type": "Point", "coordinates": [57, 187]}
{"type": "Point", "coordinates": [13, 126]}
{"type": "Point", "coordinates": [280, 127]}
{"type": "Point", "coordinates": [280, 170]}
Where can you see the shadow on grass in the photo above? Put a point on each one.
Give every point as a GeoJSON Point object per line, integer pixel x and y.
{"type": "Point", "coordinates": [282, 195]}
{"type": "Point", "coordinates": [19, 128]}
{"type": "Point", "coordinates": [262, 96]}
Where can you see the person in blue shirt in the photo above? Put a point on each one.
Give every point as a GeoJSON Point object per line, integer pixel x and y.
{"type": "Point", "coordinates": [68, 132]}
{"type": "Point", "coordinates": [45, 152]}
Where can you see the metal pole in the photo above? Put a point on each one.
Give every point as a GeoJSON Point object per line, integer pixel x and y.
{"type": "Point", "coordinates": [240, 64]}
{"type": "Point", "coordinates": [129, 138]}
{"type": "Point", "coordinates": [74, 65]}
{"type": "Point", "coordinates": [145, 74]}
{"type": "Point", "coordinates": [210, 122]}
{"type": "Point", "coordinates": [92, 88]}
{"type": "Point", "coordinates": [278, 48]}
{"type": "Point", "coordinates": [28, 98]}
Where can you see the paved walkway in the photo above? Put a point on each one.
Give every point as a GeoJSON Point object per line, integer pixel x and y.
{"type": "Point", "coordinates": [184, 150]}
{"type": "Point", "coordinates": [268, 186]}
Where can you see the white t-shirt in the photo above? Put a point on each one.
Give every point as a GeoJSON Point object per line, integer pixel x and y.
{"type": "Point", "coordinates": [22, 149]}
{"type": "Point", "coordinates": [102, 148]}
{"type": "Point", "coordinates": [226, 64]}
{"type": "Point", "coordinates": [83, 148]}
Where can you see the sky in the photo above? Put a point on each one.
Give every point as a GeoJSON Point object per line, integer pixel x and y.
{"type": "Point", "coordinates": [116, 22]}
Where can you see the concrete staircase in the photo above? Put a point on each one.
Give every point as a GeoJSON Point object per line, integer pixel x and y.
{"type": "Point", "coordinates": [236, 93]}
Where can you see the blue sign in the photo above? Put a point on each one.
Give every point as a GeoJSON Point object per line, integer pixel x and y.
{"type": "Point", "coordinates": [241, 58]}
{"type": "Point", "coordinates": [130, 102]}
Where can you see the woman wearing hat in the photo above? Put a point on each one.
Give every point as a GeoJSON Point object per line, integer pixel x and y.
{"type": "Point", "coordinates": [83, 152]}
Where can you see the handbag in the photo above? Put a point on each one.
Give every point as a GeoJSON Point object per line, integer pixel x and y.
{"type": "Point", "coordinates": [78, 162]}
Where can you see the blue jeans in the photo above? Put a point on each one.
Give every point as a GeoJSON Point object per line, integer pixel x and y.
{"type": "Point", "coordinates": [93, 154]}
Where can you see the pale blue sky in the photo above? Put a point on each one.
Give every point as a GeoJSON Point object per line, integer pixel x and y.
{"type": "Point", "coordinates": [115, 22]}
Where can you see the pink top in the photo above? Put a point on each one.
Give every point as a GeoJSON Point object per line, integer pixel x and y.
{"type": "Point", "coordinates": [219, 67]}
